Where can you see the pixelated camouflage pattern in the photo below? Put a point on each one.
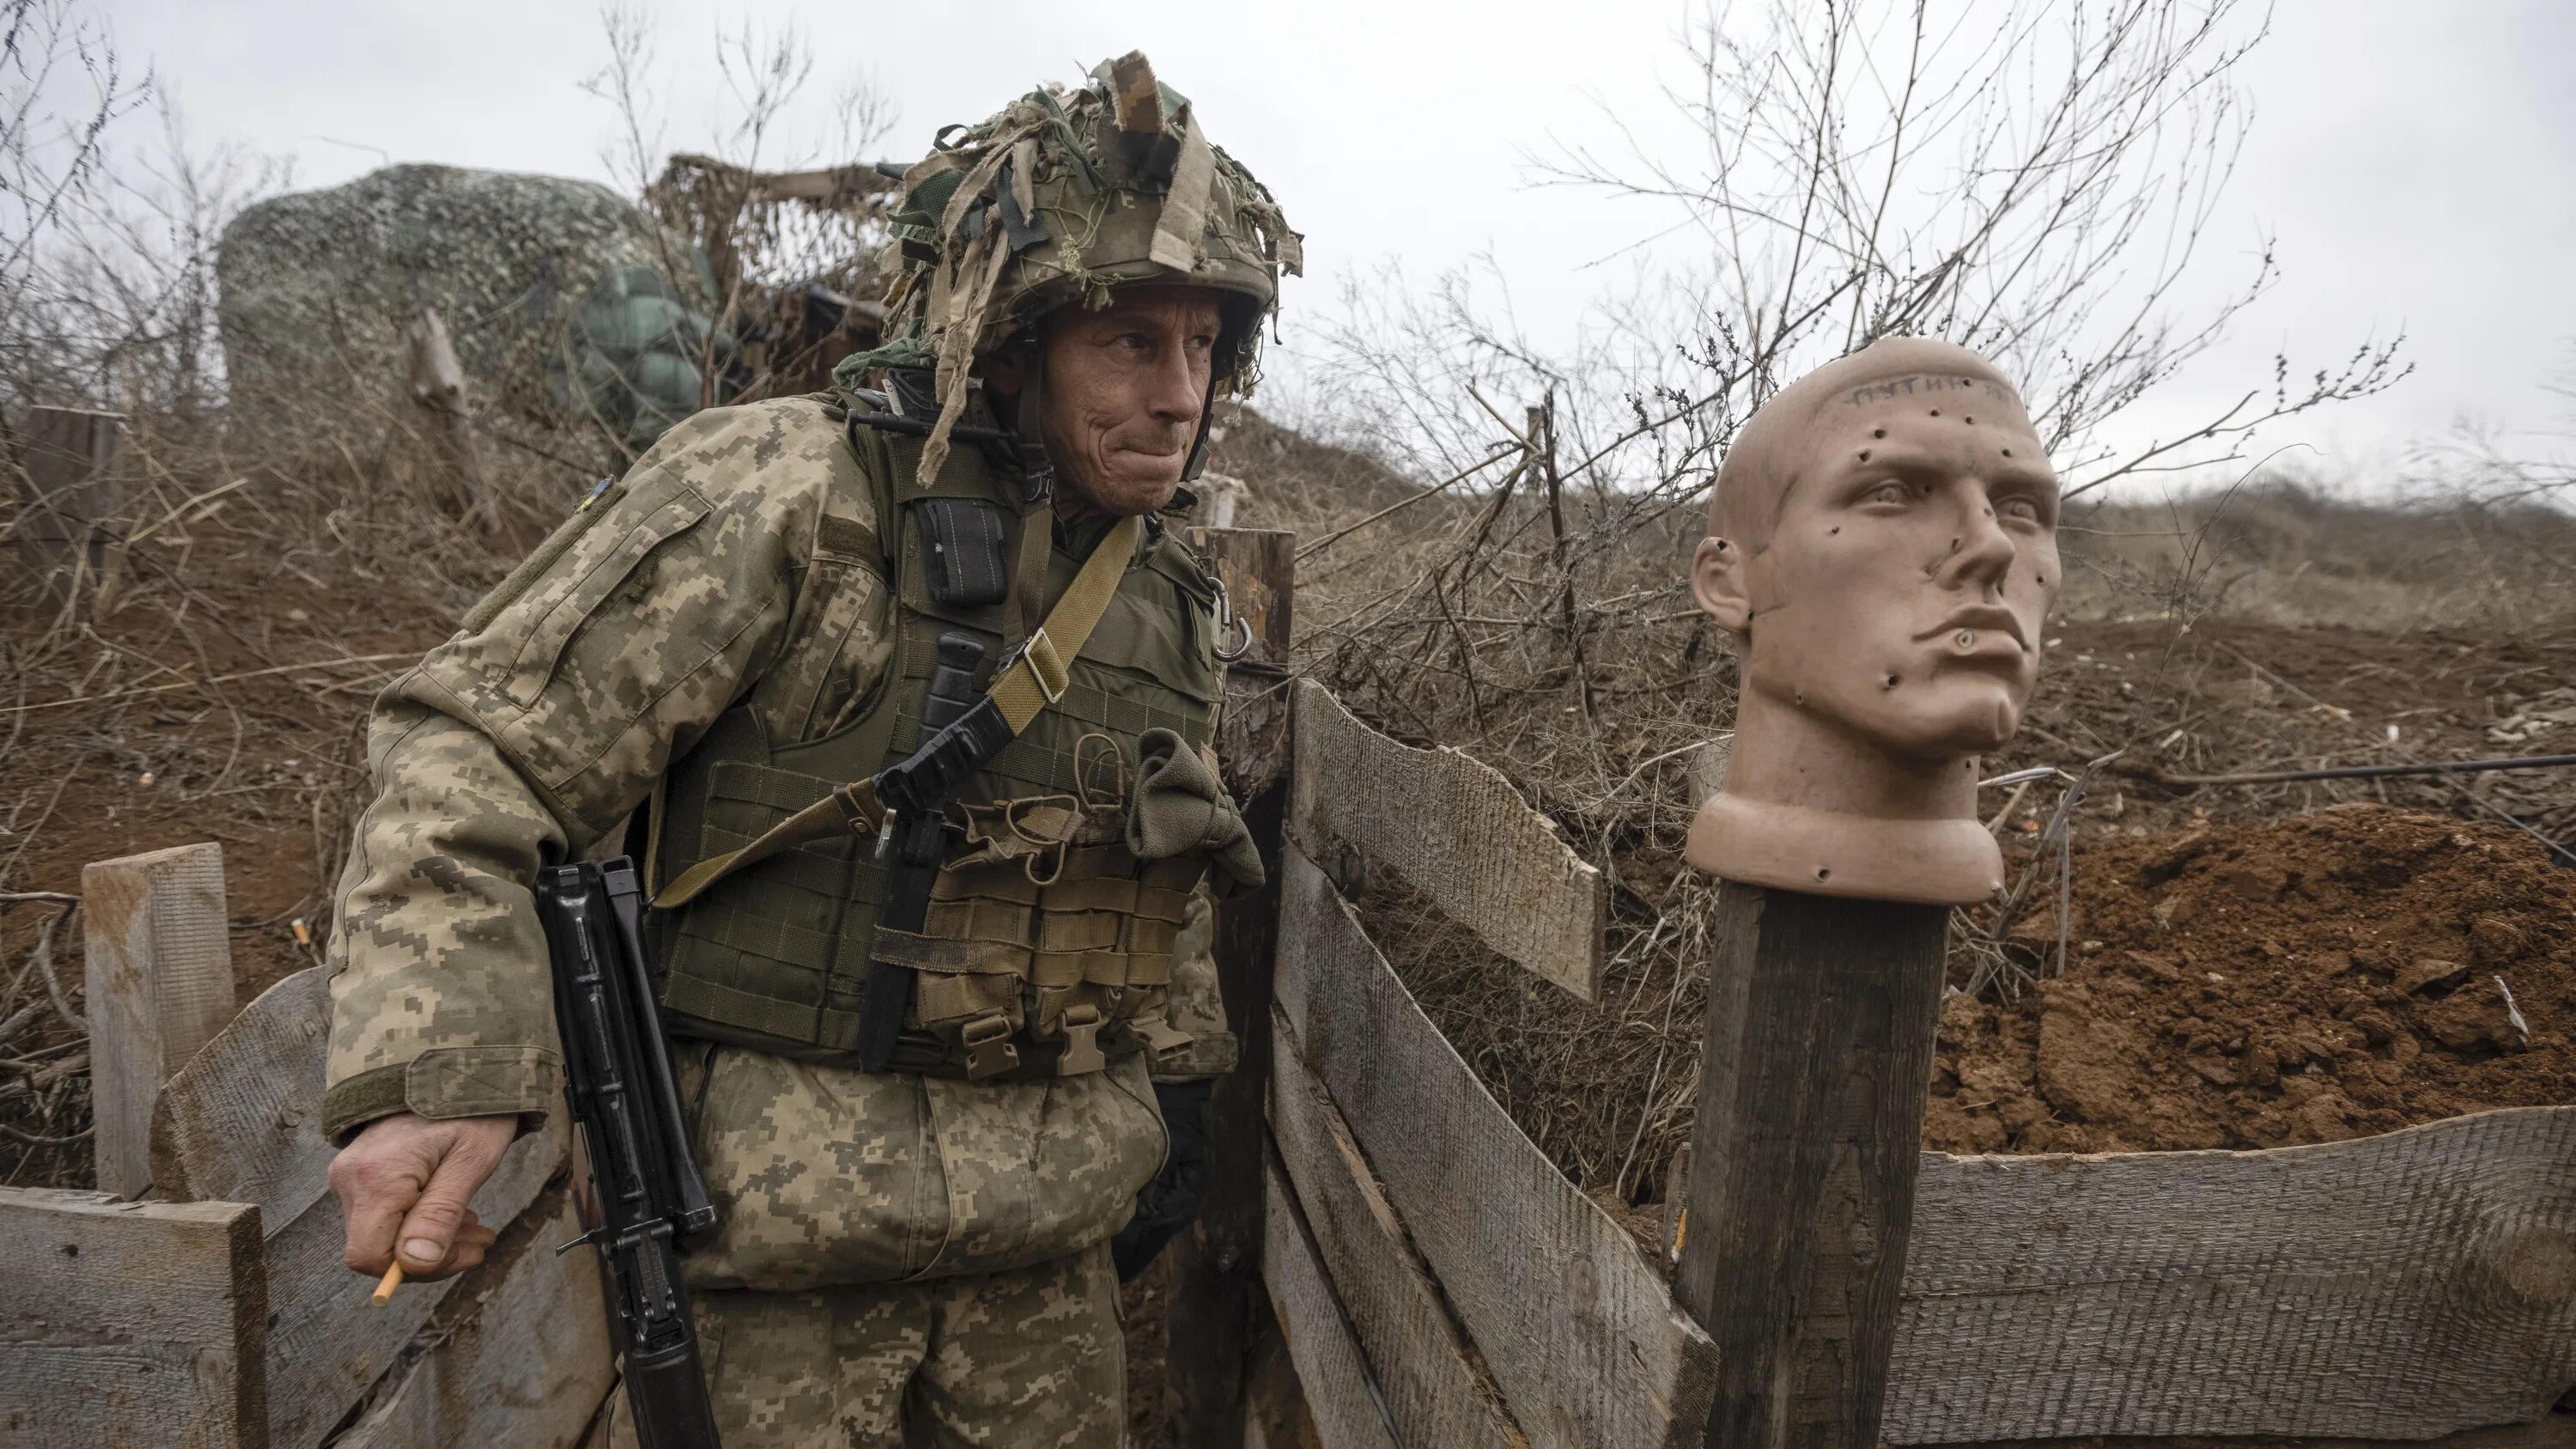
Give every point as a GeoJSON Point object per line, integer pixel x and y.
{"type": "Point", "coordinates": [567, 307]}
{"type": "Point", "coordinates": [1194, 1002]}
{"type": "Point", "coordinates": [698, 580]}
{"type": "Point", "coordinates": [1029, 1358]}
{"type": "Point", "coordinates": [826, 1175]}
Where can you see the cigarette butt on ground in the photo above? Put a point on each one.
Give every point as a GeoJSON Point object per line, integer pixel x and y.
{"type": "Point", "coordinates": [386, 1285]}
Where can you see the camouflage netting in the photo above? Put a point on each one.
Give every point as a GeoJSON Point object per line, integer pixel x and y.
{"type": "Point", "coordinates": [560, 297]}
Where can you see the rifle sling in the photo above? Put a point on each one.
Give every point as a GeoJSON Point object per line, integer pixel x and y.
{"type": "Point", "coordinates": [1032, 679]}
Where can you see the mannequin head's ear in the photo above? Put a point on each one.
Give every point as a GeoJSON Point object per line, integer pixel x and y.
{"type": "Point", "coordinates": [1718, 583]}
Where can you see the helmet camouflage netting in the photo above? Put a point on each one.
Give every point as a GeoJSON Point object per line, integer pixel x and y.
{"type": "Point", "coordinates": [1060, 197]}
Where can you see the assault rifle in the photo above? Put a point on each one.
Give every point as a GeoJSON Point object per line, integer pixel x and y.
{"type": "Point", "coordinates": [644, 1185]}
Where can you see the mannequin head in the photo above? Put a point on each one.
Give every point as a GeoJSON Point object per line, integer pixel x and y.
{"type": "Point", "coordinates": [1883, 545]}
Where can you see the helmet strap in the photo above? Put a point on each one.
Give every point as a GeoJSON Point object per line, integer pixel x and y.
{"type": "Point", "coordinates": [1037, 466]}
{"type": "Point", "coordinates": [1037, 498]}
{"type": "Point", "coordinates": [1199, 445]}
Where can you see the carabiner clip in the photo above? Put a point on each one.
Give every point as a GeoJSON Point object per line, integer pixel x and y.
{"type": "Point", "coordinates": [1226, 615]}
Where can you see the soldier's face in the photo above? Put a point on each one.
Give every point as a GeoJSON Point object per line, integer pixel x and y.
{"type": "Point", "coordinates": [1125, 387]}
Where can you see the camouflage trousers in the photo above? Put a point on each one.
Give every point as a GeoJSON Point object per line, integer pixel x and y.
{"type": "Point", "coordinates": [917, 1251]}
{"type": "Point", "coordinates": [1024, 1357]}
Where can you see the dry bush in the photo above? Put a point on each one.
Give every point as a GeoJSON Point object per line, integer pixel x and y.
{"type": "Point", "coordinates": [2291, 550]}
{"type": "Point", "coordinates": [2034, 186]}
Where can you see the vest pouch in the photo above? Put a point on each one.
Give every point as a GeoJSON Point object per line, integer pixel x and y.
{"type": "Point", "coordinates": [1072, 964]}
{"type": "Point", "coordinates": [762, 957]}
{"type": "Point", "coordinates": [965, 551]}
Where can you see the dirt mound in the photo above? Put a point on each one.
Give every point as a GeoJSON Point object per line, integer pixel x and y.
{"type": "Point", "coordinates": [2318, 978]}
{"type": "Point", "coordinates": [2230, 695]}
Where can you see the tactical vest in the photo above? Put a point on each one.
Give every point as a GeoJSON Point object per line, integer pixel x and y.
{"type": "Point", "coordinates": [1044, 931]}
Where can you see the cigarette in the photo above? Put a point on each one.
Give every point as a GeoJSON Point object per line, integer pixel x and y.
{"type": "Point", "coordinates": [386, 1285]}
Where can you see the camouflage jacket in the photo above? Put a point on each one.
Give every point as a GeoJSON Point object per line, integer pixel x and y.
{"type": "Point", "coordinates": [722, 568]}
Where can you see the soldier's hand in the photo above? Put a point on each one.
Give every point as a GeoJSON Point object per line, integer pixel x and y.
{"type": "Point", "coordinates": [404, 1180]}
{"type": "Point", "coordinates": [1169, 1202]}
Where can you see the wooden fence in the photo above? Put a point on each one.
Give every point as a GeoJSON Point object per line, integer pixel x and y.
{"type": "Point", "coordinates": [1439, 1283]}
{"type": "Point", "coordinates": [201, 1300]}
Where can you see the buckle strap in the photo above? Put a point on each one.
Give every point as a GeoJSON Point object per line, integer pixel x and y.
{"type": "Point", "coordinates": [1081, 1043]}
{"type": "Point", "coordinates": [1046, 666]}
{"type": "Point", "coordinates": [989, 1051]}
{"type": "Point", "coordinates": [851, 807]}
{"type": "Point", "coordinates": [1019, 689]}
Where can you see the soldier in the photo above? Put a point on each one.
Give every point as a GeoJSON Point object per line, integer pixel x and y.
{"type": "Point", "coordinates": [745, 621]}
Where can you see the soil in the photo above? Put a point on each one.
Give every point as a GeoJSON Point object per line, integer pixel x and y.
{"type": "Point", "coordinates": [261, 750]}
{"type": "Point", "coordinates": [264, 766]}
{"type": "Point", "coordinates": [2308, 980]}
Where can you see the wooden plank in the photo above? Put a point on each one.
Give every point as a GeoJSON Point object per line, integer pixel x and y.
{"type": "Point", "coordinates": [1579, 1332]}
{"type": "Point", "coordinates": [1433, 1393]}
{"type": "Point", "coordinates": [438, 387]}
{"type": "Point", "coordinates": [2399, 1286]}
{"type": "Point", "coordinates": [129, 1323]}
{"type": "Point", "coordinates": [65, 483]}
{"type": "Point", "coordinates": [1218, 1315]}
{"type": "Point", "coordinates": [1453, 829]}
{"type": "Point", "coordinates": [1340, 1398]}
{"type": "Point", "coordinates": [518, 1355]}
{"type": "Point", "coordinates": [1259, 568]}
{"type": "Point", "coordinates": [1812, 1077]}
{"type": "Point", "coordinates": [242, 1121]}
{"type": "Point", "coordinates": [160, 986]}
{"type": "Point", "coordinates": [329, 1345]}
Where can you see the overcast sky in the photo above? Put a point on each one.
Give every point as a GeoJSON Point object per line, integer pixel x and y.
{"type": "Point", "coordinates": [2417, 164]}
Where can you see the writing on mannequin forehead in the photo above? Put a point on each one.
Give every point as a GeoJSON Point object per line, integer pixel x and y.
{"type": "Point", "coordinates": [1915, 433]}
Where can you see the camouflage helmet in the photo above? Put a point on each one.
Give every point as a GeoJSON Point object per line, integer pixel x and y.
{"type": "Point", "coordinates": [1061, 196]}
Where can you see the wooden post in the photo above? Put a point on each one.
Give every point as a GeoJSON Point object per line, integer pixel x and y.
{"type": "Point", "coordinates": [64, 480]}
{"type": "Point", "coordinates": [1220, 1315]}
{"type": "Point", "coordinates": [438, 386]}
{"type": "Point", "coordinates": [131, 1323]}
{"type": "Point", "coordinates": [160, 982]}
{"type": "Point", "coordinates": [1813, 1075]}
